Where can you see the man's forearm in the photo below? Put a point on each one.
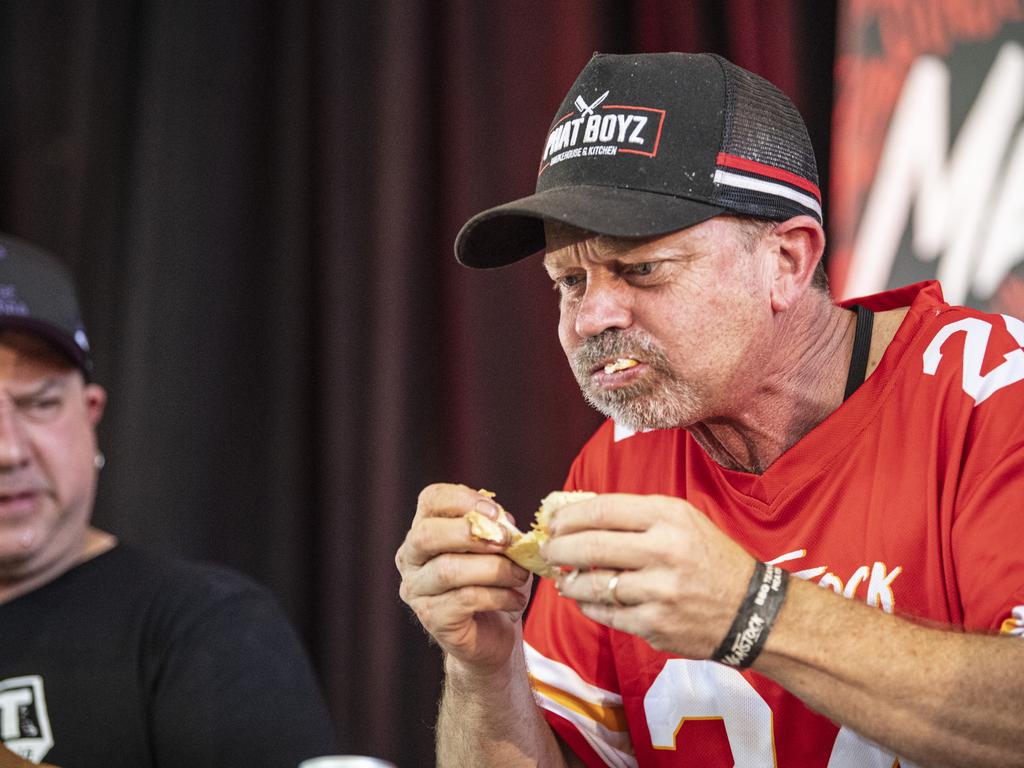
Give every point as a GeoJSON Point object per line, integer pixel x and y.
{"type": "Point", "coordinates": [494, 717]}
{"type": "Point", "coordinates": [932, 696]}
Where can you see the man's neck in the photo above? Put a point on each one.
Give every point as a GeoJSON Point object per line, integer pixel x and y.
{"type": "Point", "coordinates": [94, 543]}
{"type": "Point", "coordinates": [803, 383]}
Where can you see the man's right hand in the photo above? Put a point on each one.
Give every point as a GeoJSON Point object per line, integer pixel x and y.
{"type": "Point", "coordinates": [466, 594]}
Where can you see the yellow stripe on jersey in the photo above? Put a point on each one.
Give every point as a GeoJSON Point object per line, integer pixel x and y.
{"type": "Point", "coordinates": [1015, 624]}
{"type": "Point", "coordinates": [612, 718]}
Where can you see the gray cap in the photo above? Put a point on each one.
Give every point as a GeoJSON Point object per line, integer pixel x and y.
{"type": "Point", "coordinates": [37, 295]}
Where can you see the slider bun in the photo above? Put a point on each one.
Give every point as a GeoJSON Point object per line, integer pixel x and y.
{"type": "Point", "coordinates": [524, 548]}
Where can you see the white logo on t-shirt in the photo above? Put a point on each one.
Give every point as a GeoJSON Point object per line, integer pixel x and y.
{"type": "Point", "coordinates": [24, 722]}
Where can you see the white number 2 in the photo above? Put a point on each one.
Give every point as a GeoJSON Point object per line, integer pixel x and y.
{"type": "Point", "coordinates": [975, 342]}
{"type": "Point", "coordinates": [690, 690]}
{"type": "Point", "coordinates": [699, 690]}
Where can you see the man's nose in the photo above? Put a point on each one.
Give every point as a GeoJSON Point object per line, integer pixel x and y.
{"type": "Point", "coordinates": [607, 303]}
{"type": "Point", "coordinates": [13, 448]}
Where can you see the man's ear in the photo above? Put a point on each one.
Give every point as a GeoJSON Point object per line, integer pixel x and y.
{"type": "Point", "coordinates": [799, 243]}
{"type": "Point", "coordinates": [95, 402]}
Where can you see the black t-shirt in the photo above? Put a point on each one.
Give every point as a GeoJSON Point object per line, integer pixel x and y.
{"type": "Point", "coordinates": [135, 660]}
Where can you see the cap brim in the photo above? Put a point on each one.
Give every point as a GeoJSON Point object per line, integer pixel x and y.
{"type": "Point", "coordinates": [57, 337]}
{"type": "Point", "coordinates": [513, 231]}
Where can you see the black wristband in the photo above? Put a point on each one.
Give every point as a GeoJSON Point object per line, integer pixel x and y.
{"type": "Point", "coordinates": [757, 612]}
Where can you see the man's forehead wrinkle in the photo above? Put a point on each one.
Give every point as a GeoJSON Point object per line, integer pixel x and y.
{"type": "Point", "coordinates": [569, 246]}
{"type": "Point", "coordinates": [563, 242]}
{"type": "Point", "coordinates": [581, 247]}
{"type": "Point", "coordinates": [559, 234]}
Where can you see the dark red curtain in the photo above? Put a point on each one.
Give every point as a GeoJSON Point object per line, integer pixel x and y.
{"type": "Point", "coordinates": [259, 201]}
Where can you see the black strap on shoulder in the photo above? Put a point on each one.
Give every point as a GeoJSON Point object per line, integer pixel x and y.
{"type": "Point", "coordinates": [861, 347]}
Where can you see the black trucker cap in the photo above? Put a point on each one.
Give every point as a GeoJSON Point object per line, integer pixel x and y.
{"type": "Point", "coordinates": [37, 295]}
{"type": "Point", "coordinates": [646, 144]}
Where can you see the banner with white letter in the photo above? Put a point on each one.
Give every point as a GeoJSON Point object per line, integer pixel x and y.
{"type": "Point", "coordinates": [928, 138]}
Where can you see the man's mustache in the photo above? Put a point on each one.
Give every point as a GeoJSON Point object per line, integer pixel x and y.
{"type": "Point", "coordinates": [596, 350]}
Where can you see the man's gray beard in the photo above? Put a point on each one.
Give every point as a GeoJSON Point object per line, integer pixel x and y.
{"type": "Point", "coordinates": [659, 401]}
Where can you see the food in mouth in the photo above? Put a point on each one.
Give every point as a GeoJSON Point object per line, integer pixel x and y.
{"type": "Point", "coordinates": [620, 364]}
{"type": "Point", "coordinates": [524, 548]}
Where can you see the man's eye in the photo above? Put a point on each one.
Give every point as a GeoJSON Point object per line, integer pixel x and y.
{"type": "Point", "coordinates": [641, 269]}
{"type": "Point", "coordinates": [567, 282]}
{"type": "Point", "coordinates": [43, 406]}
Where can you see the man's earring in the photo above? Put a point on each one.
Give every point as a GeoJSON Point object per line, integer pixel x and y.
{"type": "Point", "coordinates": [99, 460]}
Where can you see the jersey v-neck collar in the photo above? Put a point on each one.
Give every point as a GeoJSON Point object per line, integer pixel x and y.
{"type": "Point", "coordinates": [819, 449]}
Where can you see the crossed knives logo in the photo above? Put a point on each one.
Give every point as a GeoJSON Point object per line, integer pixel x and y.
{"type": "Point", "coordinates": [588, 109]}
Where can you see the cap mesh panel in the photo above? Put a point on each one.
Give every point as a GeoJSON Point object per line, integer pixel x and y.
{"type": "Point", "coordinates": [763, 125]}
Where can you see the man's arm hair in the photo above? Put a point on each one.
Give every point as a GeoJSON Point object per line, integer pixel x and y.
{"type": "Point", "coordinates": [934, 696]}
{"type": "Point", "coordinates": [495, 721]}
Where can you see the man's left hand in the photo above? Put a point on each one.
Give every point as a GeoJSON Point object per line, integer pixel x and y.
{"type": "Point", "coordinates": [653, 566]}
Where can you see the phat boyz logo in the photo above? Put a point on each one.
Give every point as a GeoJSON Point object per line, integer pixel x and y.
{"type": "Point", "coordinates": [597, 128]}
{"type": "Point", "coordinates": [24, 723]}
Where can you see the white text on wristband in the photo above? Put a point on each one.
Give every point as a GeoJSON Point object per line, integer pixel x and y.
{"type": "Point", "coordinates": [745, 639]}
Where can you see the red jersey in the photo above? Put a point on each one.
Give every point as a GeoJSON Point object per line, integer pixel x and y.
{"type": "Point", "coordinates": [908, 497]}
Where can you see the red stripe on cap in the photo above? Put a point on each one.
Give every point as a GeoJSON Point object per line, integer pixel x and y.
{"type": "Point", "coordinates": [743, 164]}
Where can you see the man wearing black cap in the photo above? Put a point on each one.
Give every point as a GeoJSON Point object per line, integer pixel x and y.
{"type": "Point", "coordinates": [109, 656]}
{"type": "Point", "coordinates": [805, 541]}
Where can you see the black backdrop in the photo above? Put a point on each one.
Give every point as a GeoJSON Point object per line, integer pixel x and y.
{"type": "Point", "coordinates": [259, 200]}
